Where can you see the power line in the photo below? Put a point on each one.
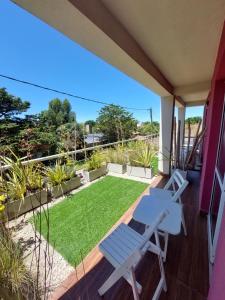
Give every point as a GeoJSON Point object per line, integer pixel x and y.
{"type": "Point", "coordinates": [67, 94]}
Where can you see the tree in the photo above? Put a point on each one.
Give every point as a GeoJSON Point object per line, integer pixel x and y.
{"type": "Point", "coordinates": [33, 140]}
{"type": "Point", "coordinates": [58, 113]}
{"type": "Point", "coordinates": [11, 105]}
{"type": "Point", "coordinates": [193, 120]}
{"type": "Point", "coordinates": [70, 136]}
{"type": "Point", "coordinates": [115, 123]}
{"type": "Point", "coordinates": [149, 128]}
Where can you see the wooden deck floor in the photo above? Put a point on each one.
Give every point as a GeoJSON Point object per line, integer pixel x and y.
{"type": "Point", "coordinates": [186, 266]}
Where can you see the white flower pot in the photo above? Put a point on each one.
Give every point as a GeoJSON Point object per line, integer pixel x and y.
{"type": "Point", "coordinates": [139, 172]}
{"type": "Point", "coordinates": [94, 174]}
{"type": "Point", "coordinates": [116, 168]}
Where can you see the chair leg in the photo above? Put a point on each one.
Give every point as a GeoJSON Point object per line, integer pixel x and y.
{"type": "Point", "coordinates": [166, 239]}
{"type": "Point", "coordinates": [134, 286]}
{"type": "Point", "coordinates": [183, 223]}
{"type": "Point", "coordinates": [163, 277]}
{"type": "Point", "coordinates": [113, 278]}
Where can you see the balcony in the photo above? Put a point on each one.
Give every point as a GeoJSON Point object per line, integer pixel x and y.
{"type": "Point", "coordinates": [186, 266]}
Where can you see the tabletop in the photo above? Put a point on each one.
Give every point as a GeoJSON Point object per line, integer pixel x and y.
{"type": "Point", "coordinates": [150, 207]}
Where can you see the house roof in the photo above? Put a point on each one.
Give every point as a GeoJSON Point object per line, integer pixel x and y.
{"type": "Point", "coordinates": [168, 46]}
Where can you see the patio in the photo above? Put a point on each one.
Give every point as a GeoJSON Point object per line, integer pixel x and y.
{"type": "Point", "coordinates": [186, 267]}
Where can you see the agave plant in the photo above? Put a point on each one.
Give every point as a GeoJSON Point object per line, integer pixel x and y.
{"type": "Point", "coordinates": [59, 174]}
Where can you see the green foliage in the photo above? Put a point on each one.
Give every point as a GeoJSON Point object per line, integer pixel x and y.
{"type": "Point", "coordinates": [115, 123]}
{"type": "Point", "coordinates": [193, 120]}
{"type": "Point", "coordinates": [59, 173]}
{"type": "Point", "coordinates": [96, 161]}
{"type": "Point", "coordinates": [20, 179]}
{"type": "Point", "coordinates": [36, 139]}
{"type": "Point", "coordinates": [116, 155]}
{"type": "Point", "coordinates": [58, 113]}
{"type": "Point", "coordinates": [11, 105]}
{"type": "Point", "coordinates": [69, 134]}
{"type": "Point", "coordinates": [149, 128]}
{"type": "Point", "coordinates": [13, 274]}
{"type": "Point", "coordinates": [142, 155]}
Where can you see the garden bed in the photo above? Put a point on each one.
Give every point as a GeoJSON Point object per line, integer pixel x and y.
{"type": "Point", "coordinates": [66, 187]}
{"type": "Point", "coordinates": [79, 222]}
{"type": "Point", "coordinates": [30, 202]}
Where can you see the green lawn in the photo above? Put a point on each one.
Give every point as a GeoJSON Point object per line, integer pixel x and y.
{"type": "Point", "coordinates": [79, 222]}
{"type": "Point", "coordinates": [155, 162]}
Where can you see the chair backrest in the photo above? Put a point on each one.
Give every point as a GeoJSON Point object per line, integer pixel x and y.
{"type": "Point", "coordinates": [153, 228]}
{"type": "Point", "coordinates": [178, 184]}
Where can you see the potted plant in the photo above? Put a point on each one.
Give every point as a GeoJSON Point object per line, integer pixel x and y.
{"type": "Point", "coordinates": [140, 160]}
{"type": "Point", "coordinates": [95, 167]}
{"type": "Point", "coordinates": [62, 179]}
{"type": "Point", "coordinates": [117, 160]}
{"type": "Point", "coordinates": [22, 186]}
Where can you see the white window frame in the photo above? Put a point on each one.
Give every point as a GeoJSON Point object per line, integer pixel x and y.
{"type": "Point", "coordinates": [214, 239]}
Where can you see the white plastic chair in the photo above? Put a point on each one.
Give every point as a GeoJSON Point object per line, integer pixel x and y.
{"type": "Point", "coordinates": [178, 184]}
{"type": "Point", "coordinates": [124, 248]}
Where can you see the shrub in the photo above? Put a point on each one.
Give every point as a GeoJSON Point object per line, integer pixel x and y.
{"type": "Point", "coordinates": [96, 161]}
{"type": "Point", "coordinates": [14, 277]}
{"type": "Point", "coordinates": [116, 155]}
{"type": "Point", "coordinates": [59, 173]}
{"type": "Point", "coordinates": [20, 180]}
{"type": "Point", "coordinates": [142, 155]}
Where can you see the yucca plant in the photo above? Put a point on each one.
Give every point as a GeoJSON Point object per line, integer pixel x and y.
{"type": "Point", "coordinates": [33, 177]}
{"type": "Point", "coordinates": [19, 178]}
{"type": "Point", "coordinates": [96, 161]}
{"type": "Point", "coordinates": [59, 173]}
{"type": "Point", "coordinates": [142, 156]}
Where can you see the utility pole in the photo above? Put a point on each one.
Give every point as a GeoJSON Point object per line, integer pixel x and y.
{"type": "Point", "coordinates": [150, 112]}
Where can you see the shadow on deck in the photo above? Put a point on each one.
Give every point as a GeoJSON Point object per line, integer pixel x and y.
{"type": "Point", "coordinates": [186, 267]}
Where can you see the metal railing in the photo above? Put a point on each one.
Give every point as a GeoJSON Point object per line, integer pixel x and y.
{"type": "Point", "coordinates": [69, 153]}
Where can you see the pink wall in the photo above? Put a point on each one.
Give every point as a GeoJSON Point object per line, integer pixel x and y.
{"type": "Point", "coordinates": [213, 121]}
{"type": "Point", "coordinates": [214, 114]}
{"type": "Point", "coordinates": [217, 285]}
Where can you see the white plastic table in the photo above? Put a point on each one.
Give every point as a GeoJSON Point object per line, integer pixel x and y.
{"type": "Point", "coordinates": [150, 207]}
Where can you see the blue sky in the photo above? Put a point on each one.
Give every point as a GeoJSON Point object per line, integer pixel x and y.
{"type": "Point", "coordinates": [33, 51]}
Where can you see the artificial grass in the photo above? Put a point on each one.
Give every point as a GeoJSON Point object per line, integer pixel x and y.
{"type": "Point", "coordinates": [79, 222]}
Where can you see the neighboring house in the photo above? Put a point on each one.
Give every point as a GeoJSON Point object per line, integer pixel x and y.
{"type": "Point", "coordinates": [94, 138]}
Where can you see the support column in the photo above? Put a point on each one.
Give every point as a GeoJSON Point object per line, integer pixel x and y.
{"type": "Point", "coordinates": [181, 118]}
{"type": "Point", "coordinates": [165, 138]}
